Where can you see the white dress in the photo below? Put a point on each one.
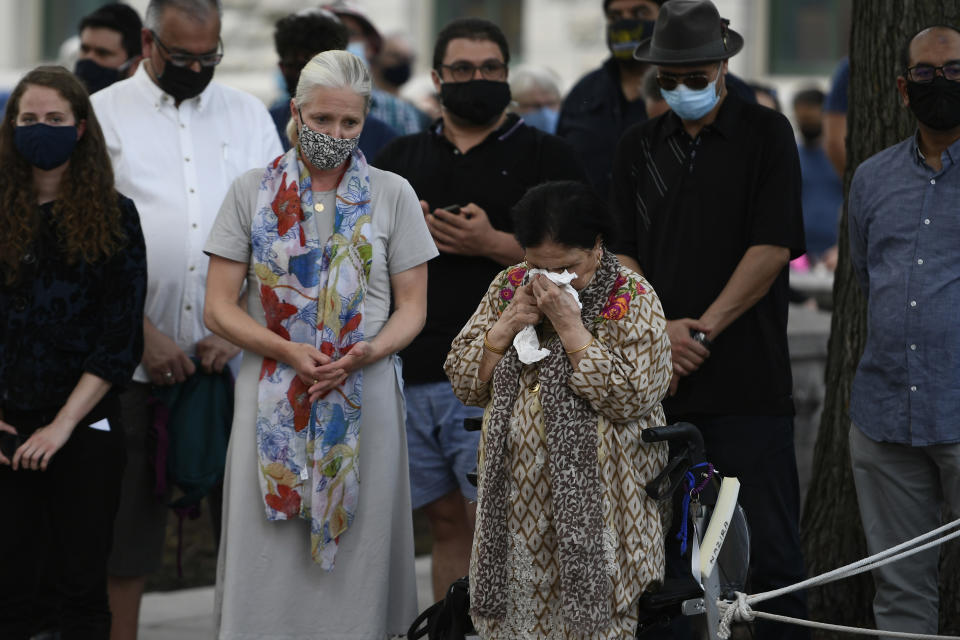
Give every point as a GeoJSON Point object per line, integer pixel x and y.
{"type": "Point", "coordinates": [267, 584]}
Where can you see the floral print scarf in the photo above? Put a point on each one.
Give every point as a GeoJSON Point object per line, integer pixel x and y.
{"type": "Point", "coordinates": [572, 441]}
{"type": "Point", "coordinates": [312, 290]}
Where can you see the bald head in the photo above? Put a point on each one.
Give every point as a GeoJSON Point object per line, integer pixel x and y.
{"type": "Point", "coordinates": [930, 44]}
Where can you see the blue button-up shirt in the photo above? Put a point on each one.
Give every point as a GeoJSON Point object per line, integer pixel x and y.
{"type": "Point", "coordinates": [905, 246]}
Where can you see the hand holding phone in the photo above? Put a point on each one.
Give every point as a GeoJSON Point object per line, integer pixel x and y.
{"type": "Point", "coordinates": [701, 337]}
{"type": "Point", "coordinates": [453, 208]}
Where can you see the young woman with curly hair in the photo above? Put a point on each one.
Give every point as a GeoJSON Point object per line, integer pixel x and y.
{"type": "Point", "coordinates": [72, 283]}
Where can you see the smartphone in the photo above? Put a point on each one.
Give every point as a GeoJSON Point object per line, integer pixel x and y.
{"type": "Point", "coordinates": [453, 208]}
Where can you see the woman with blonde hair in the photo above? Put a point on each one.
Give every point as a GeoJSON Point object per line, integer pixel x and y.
{"type": "Point", "coordinates": [324, 242]}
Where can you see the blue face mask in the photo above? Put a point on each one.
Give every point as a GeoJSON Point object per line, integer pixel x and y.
{"type": "Point", "coordinates": [44, 146]}
{"type": "Point", "coordinates": [359, 49]}
{"type": "Point", "coordinates": [691, 104]}
{"type": "Point", "coordinates": [543, 118]}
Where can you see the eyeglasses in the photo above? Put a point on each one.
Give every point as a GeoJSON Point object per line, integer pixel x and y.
{"type": "Point", "coordinates": [696, 80]}
{"type": "Point", "coordinates": [926, 73]}
{"type": "Point", "coordinates": [465, 71]}
{"type": "Point", "coordinates": [180, 59]}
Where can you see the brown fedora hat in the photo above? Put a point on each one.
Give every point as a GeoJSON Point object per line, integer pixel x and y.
{"type": "Point", "coordinates": [689, 32]}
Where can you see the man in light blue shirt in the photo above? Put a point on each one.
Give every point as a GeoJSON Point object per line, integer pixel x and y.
{"type": "Point", "coordinates": [904, 212]}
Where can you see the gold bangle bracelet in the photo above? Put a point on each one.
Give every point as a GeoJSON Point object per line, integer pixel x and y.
{"type": "Point", "coordinates": [487, 345]}
{"type": "Point", "coordinates": [581, 348]}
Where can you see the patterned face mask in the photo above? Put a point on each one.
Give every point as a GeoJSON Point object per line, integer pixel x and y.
{"type": "Point", "coordinates": [322, 151]}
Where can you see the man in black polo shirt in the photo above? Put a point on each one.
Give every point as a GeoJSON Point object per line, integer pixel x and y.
{"type": "Point", "coordinates": [708, 197]}
{"type": "Point", "coordinates": [468, 168]}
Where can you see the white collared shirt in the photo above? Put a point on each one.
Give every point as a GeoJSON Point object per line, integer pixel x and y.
{"type": "Point", "coordinates": [176, 164]}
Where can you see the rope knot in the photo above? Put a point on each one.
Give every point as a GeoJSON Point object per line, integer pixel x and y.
{"type": "Point", "coordinates": [736, 611]}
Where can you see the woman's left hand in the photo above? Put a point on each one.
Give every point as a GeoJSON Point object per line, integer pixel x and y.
{"type": "Point", "coordinates": [555, 303]}
{"type": "Point", "coordinates": [40, 447]}
{"type": "Point", "coordinates": [336, 372]}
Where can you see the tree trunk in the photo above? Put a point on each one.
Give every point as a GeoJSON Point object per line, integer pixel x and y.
{"type": "Point", "coordinates": [831, 529]}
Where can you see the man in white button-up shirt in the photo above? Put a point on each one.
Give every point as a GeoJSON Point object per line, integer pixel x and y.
{"type": "Point", "coordinates": [177, 142]}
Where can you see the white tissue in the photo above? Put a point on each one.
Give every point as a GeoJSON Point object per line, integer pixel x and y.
{"type": "Point", "coordinates": [526, 341]}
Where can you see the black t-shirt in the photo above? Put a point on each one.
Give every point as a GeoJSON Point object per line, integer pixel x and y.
{"type": "Point", "coordinates": [688, 211]}
{"type": "Point", "coordinates": [494, 175]}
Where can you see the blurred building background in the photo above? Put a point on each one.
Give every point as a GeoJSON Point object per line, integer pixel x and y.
{"type": "Point", "coordinates": [789, 43]}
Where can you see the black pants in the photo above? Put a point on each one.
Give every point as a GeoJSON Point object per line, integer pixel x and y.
{"type": "Point", "coordinates": [56, 530]}
{"type": "Point", "coordinates": [759, 451]}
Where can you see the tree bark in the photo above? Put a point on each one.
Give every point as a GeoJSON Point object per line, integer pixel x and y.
{"type": "Point", "coordinates": [831, 529]}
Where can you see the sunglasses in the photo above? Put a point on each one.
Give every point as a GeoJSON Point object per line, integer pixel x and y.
{"type": "Point", "coordinates": [696, 80]}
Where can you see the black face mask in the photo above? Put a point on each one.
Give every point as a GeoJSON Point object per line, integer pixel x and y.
{"type": "Point", "coordinates": [624, 35]}
{"type": "Point", "coordinates": [95, 76]}
{"type": "Point", "coordinates": [936, 104]}
{"type": "Point", "coordinates": [182, 82]}
{"type": "Point", "coordinates": [398, 74]}
{"type": "Point", "coordinates": [45, 146]}
{"type": "Point", "coordinates": [810, 132]}
{"type": "Point", "coordinates": [479, 102]}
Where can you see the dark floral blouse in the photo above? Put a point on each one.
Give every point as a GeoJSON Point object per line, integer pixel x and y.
{"type": "Point", "coordinates": [60, 320]}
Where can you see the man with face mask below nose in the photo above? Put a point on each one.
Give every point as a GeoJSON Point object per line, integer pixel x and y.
{"type": "Point", "coordinates": [177, 142]}
{"type": "Point", "coordinates": [708, 199]}
{"type": "Point", "coordinates": [904, 229]}
{"type": "Point", "coordinates": [468, 169]}
{"type": "Point", "coordinates": [110, 46]}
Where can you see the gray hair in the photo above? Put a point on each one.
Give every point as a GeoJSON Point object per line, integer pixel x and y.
{"type": "Point", "coordinates": [333, 69]}
{"type": "Point", "coordinates": [200, 10]}
{"type": "Point", "coordinates": [527, 77]}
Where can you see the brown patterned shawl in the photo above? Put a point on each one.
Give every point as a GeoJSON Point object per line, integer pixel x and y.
{"type": "Point", "coordinates": [572, 441]}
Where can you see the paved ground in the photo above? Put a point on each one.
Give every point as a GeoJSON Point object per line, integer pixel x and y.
{"type": "Point", "coordinates": [188, 614]}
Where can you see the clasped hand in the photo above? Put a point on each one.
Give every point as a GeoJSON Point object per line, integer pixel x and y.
{"type": "Point", "coordinates": [320, 372]}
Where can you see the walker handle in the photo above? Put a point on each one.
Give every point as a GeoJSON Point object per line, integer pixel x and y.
{"type": "Point", "coordinates": [680, 433]}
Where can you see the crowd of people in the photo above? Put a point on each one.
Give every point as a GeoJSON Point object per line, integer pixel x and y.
{"type": "Point", "coordinates": [568, 271]}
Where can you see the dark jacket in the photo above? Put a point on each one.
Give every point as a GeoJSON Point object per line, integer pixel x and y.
{"type": "Point", "coordinates": [593, 117]}
{"type": "Point", "coordinates": [60, 320]}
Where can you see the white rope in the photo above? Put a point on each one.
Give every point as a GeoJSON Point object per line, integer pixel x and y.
{"type": "Point", "coordinates": [865, 564]}
{"type": "Point", "coordinates": [826, 626]}
{"type": "Point", "coordinates": [740, 610]}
